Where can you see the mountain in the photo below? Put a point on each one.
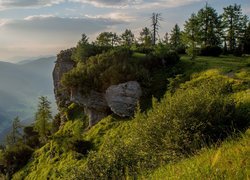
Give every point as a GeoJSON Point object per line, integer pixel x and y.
{"type": "Point", "coordinates": [20, 86]}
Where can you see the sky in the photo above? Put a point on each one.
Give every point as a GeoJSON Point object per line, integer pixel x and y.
{"type": "Point", "coordinates": [33, 28]}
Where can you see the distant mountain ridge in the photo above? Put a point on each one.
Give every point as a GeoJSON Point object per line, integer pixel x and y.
{"type": "Point", "coordinates": [20, 86]}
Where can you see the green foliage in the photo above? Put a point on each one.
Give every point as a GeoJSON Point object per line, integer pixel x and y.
{"type": "Point", "coordinates": [15, 158]}
{"type": "Point", "coordinates": [127, 38]}
{"type": "Point", "coordinates": [103, 70]}
{"type": "Point", "coordinates": [210, 27]}
{"type": "Point", "coordinates": [31, 137]}
{"type": "Point", "coordinates": [175, 40]}
{"type": "Point", "coordinates": [145, 38]}
{"type": "Point", "coordinates": [211, 51]}
{"type": "Point", "coordinates": [42, 118]}
{"type": "Point", "coordinates": [74, 111]}
{"type": "Point", "coordinates": [230, 161]}
{"type": "Point", "coordinates": [206, 108]}
{"type": "Point", "coordinates": [235, 24]}
{"type": "Point", "coordinates": [191, 36]}
{"type": "Point", "coordinates": [107, 39]}
{"type": "Point", "coordinates": [15, 135]}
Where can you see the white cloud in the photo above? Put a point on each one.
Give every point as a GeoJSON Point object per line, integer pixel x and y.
{"type": "Point", "coordinates": [37, 17]}
{"type": "Point", "coordinates": [137, 4]}
{"type": "Point", "coordinates": [116, 16]}
{"type": "Point", "coordinates": [7, 4]}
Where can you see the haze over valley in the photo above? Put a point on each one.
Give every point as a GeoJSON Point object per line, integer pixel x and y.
{"type": "Point", "coordinates": [20, 86]}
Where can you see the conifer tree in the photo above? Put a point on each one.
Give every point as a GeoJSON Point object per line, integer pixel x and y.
{"type": "Point", "coordinates": [127, 38]}
{"type": "Point", "coordinates": [235, 25]}
{"type": "Point", "coordinates": [145, 37]}
{"type": "Point", "coordinates": [175, 39]}
{"type": "Point", "coordinates": [43, 118]}
{"type": "Point", "coordinates": [14, 135]}
{"type": "Point", "coordinates": [210, 27]}
{"type": "Point", "coordinates": [191, 35]}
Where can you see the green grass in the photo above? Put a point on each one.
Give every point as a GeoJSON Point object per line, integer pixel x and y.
{"type": "Point", "coordinates": [225, 64]}
{"type": "Point", "coordinates": [231, 160]}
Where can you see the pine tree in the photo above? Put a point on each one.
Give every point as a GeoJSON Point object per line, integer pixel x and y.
{"type": "Point", "coordinates": [246, 40]}
{"type": "Point", "coordinates": [15, 134]}
{"type": "Point", "coordinates": [105, 39]}
{"type": "Point", "coordinates": [235, 25]}
{"type": "Point", "coordinates": [43, 118]}
{"type": "Point", "coordinates": [127, 38]}
{"type": "Point", "coordinates": [191, 35]}
{"type": "Point", "coordinates": [175, 39]}
{"type": "Point", "coordinates": [209, 26]}
{"type": "Point", "coordinates": [145, 37]}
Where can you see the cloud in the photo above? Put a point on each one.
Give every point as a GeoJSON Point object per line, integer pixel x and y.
{"type": "Point", "coordinates": [6, 4]}
{"type": "Point", "coordinates": [109, 3]}
{"type": "Point", "coordinates": [48, 34]}
{"type": "Point", "coordinates": [137, 4]}
{"type": "Point", "coordinates": [115, 16]}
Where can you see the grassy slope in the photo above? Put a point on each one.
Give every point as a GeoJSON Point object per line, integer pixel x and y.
{"type": "Point", "coordinates": [47, 163]}
{"type": "Point", "coordinates": [229, 161]}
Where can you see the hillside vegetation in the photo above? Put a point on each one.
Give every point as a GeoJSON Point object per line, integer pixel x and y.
{"type": "Point", "coordinates": [184, 111]}
{"type": "Point", "coordinates": [204, 104]}
{"type": "Point", "coordinates": [228, 161]}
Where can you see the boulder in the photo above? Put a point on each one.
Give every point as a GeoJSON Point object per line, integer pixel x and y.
{"type": "Point", "coordinates": [122, 98]}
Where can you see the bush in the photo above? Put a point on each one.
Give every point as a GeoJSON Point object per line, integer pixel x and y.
{"type": "Point", "coordinates": [81, 146]}
{"type": "Point", "coordinates": [15, 158]}
{"type": "Point", "coordinates": [238, 52]}
{"type": "Point", "coordinates": [103, 70]}
{"type": "Point", "coordinates": [211, 51]}
{"type": "Point", "coordinates": [31, 137]}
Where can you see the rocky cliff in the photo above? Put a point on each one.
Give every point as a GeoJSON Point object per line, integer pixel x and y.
{"type": "Point", "coordinates": [120, 99]}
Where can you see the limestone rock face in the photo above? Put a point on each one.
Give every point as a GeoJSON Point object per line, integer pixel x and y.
{"type": "Point", "coordinates": [94, 104]}
{"type": "Point", "coordinates": [122, 98]}
{"type": "Point", "coordinates": [62, 66]}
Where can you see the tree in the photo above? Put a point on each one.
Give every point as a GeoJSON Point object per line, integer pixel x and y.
{"type": "Point", "coordinates": [15, 134]}
{"type": "Point", "coordinates": [166, 38]}
{"type": "Point", "coordinates": [127, 38]}
{"type": "Point", "coordinates": [191, 35]}
{"type": "Point", "coordinates": [155, 18]}
{"type": "Point", "coordinates": [246, 40]}
{"type": "Point", "coordinates": [104, 39]}
{"type": "Point", "coordinates": [210, 27]}
{"type": "Point", "coordinates": [84, 40]}
{"type": "Point", "coordinates": [234, 25]}
{"type": "Point", "coordinates": [146, 37]}
{"type": "Point", "coordinates": [43, 118]}
{"type": "Point", "coordinates": [175, 39]}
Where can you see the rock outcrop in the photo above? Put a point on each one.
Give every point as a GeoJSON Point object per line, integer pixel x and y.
{"type": "Point", "coordinates": [119, 99]}
{"type": "Point", "coordinates": [95, 105]}
{"type": "Point", "coordinates": [62, 66]}
{"type": "Point", "coordinates": [122, 98]}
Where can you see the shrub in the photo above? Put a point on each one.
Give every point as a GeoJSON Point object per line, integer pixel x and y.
{"type": "Point", "coordinates": [103, 70]}
{"type": "Point", "coordinates": [81, 146]}
{"type": "Point", "coordinates": [31, 137]}
{"type": "Point", "coordinates": [211, 51]}
{"type": "Point", "coordinates": [15, 158]}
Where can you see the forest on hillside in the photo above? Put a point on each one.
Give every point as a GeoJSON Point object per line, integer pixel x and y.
{"type": "Point", "coordinates": [195, 94]}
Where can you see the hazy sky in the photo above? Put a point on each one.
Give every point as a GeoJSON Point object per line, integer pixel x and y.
{"type": "Point", "coordinates": [31, 28]}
